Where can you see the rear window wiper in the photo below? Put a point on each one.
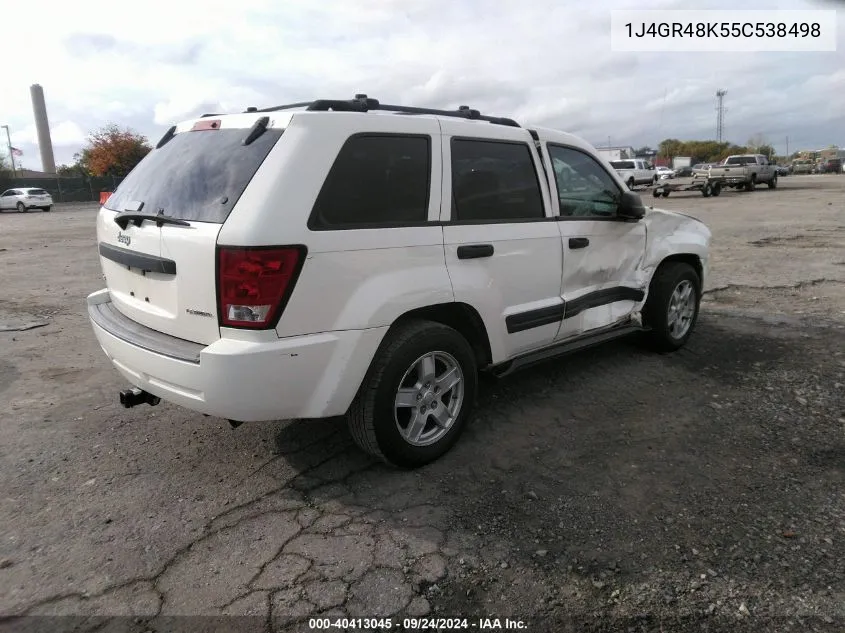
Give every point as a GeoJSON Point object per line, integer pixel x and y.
{"type": "Point", "coordinates": [123, 219]}
{"type": "Point", "coordinates": [258, 128]}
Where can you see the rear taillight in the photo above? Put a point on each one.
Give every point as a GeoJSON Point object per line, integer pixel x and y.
{"type": "Point", "coordinates": [253, 284]}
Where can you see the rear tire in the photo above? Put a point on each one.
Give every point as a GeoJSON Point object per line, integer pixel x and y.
{"type": "Point", "coordinates": [665, 194]}
{"type": "Point", "coordinates": [383, 427]}
{"type": "Point", "coordinates": [631, 184]}
{"type": "Point", "coordinates": [656, 193]}
{"type": "Point", "coordinates": [46, 209]}
{"type": "Point", "coordinates": [20, 207]}
{"type": "Point", "coordinates": [671, 310]}
{"type": "Point", "coordinates": [751, 185]}
{"type": "Point", "coordinates": [707, 190]}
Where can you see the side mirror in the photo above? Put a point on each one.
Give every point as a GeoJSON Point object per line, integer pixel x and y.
{"type": "Point", "coordinates": [630, 207]}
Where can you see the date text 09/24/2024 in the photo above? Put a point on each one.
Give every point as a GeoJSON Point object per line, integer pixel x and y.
{"type": "Point", "coordinates": [416, 624]}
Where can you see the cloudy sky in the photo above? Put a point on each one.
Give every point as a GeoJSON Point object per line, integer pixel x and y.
{"type": "Point", "coordinates": [548, 62]}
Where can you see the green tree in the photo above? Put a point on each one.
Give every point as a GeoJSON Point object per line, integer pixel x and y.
{"type": "Point", "coordinates": [729, 149]}
{"type": "Point", "coordinates": [767, 150]}
{"type": "Point", "coordinates": [669, 148]}
{"type": "Point", "coordinates": [77, 169]}
{"type": "Point", "coordinates": [699, 151]}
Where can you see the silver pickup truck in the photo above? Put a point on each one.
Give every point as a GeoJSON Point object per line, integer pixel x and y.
{"type": "Point", "coordinates": [744, 171]}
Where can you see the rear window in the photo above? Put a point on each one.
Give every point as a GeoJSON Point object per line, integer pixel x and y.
{"type": "Point", "coordinates": [376, 180]}
{"type": "Point", "coordinates": [196, 176]}
{"type": "Point", "coordinates": [741, 160]}
{"type": "Point", "coordinates": [37, 192]}
{"type": "Point", "coordinates": [622, 164]}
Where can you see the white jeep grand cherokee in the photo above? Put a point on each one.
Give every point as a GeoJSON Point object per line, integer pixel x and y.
{"type": "Point", "coordinates": [361, 259]}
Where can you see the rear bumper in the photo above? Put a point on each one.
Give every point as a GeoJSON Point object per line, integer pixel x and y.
{"type": "Point", "coordinates": [310, 376]}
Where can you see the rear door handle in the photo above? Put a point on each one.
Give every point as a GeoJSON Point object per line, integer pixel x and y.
{"type": "Point", "coordinates": [475, 251]}
{"type": "Point", "coordinates": [578, 242]}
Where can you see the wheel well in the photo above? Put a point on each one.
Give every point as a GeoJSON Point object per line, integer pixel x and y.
{"type": "Point", "coordinates": [686, 258]}
{"type": "Point", "coordinates": [461, 317]}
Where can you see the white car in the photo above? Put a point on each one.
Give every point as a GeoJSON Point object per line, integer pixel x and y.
{"type": "Point", "coordinates": [663, 173]}
{"type": "Point", "coordinates": [24, 198]}
{"type": "Point", "coordinates": [634, 172]}
{"type": "Point", "coordinates": [282, 264]}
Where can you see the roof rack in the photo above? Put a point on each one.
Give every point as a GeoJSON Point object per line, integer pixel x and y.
{"type": "Point", "coordinates": [361, 103]}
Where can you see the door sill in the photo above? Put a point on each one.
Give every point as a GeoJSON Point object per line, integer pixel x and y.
{"type": "Point", "coordinates": [564, 348]}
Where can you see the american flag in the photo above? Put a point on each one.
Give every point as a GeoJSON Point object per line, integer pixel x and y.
{"type": "Point", "coordinates": [16, 152]}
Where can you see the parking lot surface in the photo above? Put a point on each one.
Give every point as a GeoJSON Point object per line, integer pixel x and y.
{"type": "Point", "coordinates": [613, 490]}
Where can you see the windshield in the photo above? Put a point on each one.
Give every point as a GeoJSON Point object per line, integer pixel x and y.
{"type": "Point", "coordinates": [622, 164]}
{"type": "Point", "coordinates": [196, 176]}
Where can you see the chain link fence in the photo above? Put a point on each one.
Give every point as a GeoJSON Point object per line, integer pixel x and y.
{"type": "Point", "coordinates": [66, 189]}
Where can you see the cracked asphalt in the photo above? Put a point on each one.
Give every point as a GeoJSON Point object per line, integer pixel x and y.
{"type": "Point", "coordinates": [611, 490]}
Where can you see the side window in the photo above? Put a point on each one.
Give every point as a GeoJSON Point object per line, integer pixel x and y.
{"type": "Point", "coordinates": [376, 179]}
{"type": "Point", "coordinates": [584, 188]}
{"type": "Point", "coordinates": [494, 181]}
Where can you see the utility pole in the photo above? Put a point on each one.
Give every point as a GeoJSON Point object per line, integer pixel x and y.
{"type": "Point", "coordinates": [11, 154]}
{"type": "Point", "coordinates": [720, 113]}
{"type": "Point", "coordinates": [787, 148]}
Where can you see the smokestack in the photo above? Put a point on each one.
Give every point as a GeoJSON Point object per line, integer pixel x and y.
{"type": "Point", "coordinates": [45, 143]}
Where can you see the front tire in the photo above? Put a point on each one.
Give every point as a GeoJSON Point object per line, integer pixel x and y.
{"type": "Point", "coordinates": [631, 184]}
{"type": "Point", "coordinates": [773, 183]}
{"type": "Point", "coordinates": [21, 207]}
{"type": "Point", "coordinates": [671, 311]}
{"type": "Point", "coordinates": [417, 395]}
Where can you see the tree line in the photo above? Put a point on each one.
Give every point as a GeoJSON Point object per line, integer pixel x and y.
{"type": "Point", "coordinates": [109, 151]}
{"type": "Point", "coordinates": [714, 151]}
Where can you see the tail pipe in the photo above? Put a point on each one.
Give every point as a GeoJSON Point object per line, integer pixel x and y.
{"type": "Point", "coordinates": [133, 397]}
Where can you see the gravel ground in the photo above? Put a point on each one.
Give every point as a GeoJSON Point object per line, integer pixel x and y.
{"type": "Point", "coordinates": [615, 490]}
